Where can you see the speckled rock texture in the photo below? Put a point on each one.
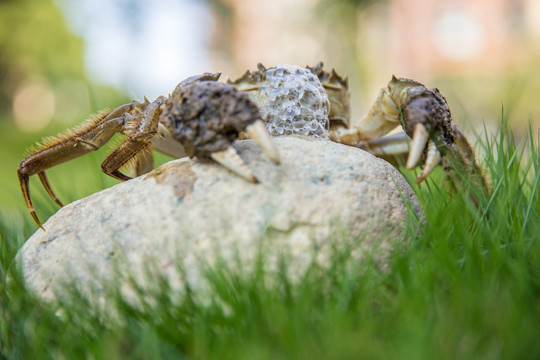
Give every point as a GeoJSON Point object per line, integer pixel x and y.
{"type": "Point", "coordinates": [187, 214]}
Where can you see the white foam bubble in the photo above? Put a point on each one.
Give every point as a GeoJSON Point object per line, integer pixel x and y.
{"type": "Point", "coordinates": [293, 101]}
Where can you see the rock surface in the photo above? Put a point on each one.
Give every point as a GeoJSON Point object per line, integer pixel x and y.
{"type": "Point", "coordinates": [192, 212]}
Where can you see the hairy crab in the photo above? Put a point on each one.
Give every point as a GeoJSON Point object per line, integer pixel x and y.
{"type": "Point", "coordinates": [203, 117]}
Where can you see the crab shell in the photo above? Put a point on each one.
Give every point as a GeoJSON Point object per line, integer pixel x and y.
{"type": "Point", "coordinates": [207, 116]}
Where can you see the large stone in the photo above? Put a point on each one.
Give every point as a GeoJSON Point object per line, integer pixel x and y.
{"type": "Point", "coordinates": [191, 212]}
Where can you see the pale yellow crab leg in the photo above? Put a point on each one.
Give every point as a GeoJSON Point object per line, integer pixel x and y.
{"type": "Point", "coordinates": [433, 158]}
{"type": "Point", "coordinates": [258, 132]}
{"type": "Point", "coordinates": [230, 159]}
{"type": "Point", "coordinates": [419, 141]}
{"type": "Point", "coordinates": [382, 117]}
{"type": "Point", "coordinates": [390, 145]}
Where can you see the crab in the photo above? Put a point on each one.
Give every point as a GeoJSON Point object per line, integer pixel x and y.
{"type": "Point", "coordinates": [202, 117]}
{"type": "Point", "coordinates": [429, 136]}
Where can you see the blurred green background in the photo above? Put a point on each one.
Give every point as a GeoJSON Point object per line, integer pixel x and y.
{"type": "Point", "coordinates": [61, 61]}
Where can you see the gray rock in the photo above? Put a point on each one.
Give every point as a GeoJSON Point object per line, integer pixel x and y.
{"type": "Point", "coordinates": [187, 213]}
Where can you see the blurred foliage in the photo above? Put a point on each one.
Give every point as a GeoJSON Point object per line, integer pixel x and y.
{"type": "Point", "coordinates": [345, 9]}
{"type": "Point", "coordinates": [345, 21]}
{"type": "Point", "coordinates": [225, 18]}
{"type": "Point", "coordinates": [462, 283]}
{"type": "Point", "coordinates": [35, 41]}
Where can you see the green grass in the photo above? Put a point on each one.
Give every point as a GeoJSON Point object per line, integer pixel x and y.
{"type": "Point", "coordinates": [467, 287]}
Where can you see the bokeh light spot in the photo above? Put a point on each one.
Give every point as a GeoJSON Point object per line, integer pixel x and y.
{"type": "Point", "coordinates": [33, 105]}
{"type": "Point", "coordinates": [458, 36]}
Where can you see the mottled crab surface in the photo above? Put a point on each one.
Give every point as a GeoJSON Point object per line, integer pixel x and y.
{"type": "Point", "coordinates": [312, 101]}
{"type": "Point", "coordinates": [202, 117]}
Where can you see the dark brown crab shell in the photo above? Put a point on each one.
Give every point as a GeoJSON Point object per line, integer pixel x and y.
{"type": "Point", "coordinates": [428, 107]}
{"type": "Point", "coordinates": [207, 116]}
{"type": "Point", "coordinates": [336, 86]}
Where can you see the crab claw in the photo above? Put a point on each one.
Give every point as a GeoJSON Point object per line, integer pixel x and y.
{"type": "Point", "coordinates": [258, 132]}
{"type": "Point", "coordinates": [230, 159]}
{"type": "Point", "coordinates": [433, 158]}
{"type": "Point", "coordinates": [419, 141]}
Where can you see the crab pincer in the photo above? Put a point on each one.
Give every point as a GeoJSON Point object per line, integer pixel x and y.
{"type": "Point", "coordinates": [428, 121]}
{"type": "Point", "coordinates": [425, 117]}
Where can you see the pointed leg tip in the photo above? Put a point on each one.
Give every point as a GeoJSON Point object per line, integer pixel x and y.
{"type": "Point", "coordinates": [248, 176]}
{"type": "Point", "coordinates": [259, 133]}
{"type": "Point", "coordinates": [36, 220]}
{"type": "Point", "coordinates": [276, 159]}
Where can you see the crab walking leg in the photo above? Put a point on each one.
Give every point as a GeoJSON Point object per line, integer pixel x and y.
{"type": "Point", "coordinates": [23, 181]}
{"type": "Point", "coordinates": [140, 134]}
{"type": "Point", "coordinates": [392, 148]}
{"type": "Point", "coordinates": [258, 132]}
{"type": "Point", "coordinates": [47, 186]}
{"type": "Point", "coordinates": [395, 148]}
{"type": "Point", "coordinates": [118, 158]}
{"type": "Point", "coordinates": [382, 117]}
{"type": "Point", "coordinates": [144, 162]}
{"type": "Point", "coordinates": [62, 150]}
{"type": "Point", "coordinates": [465, 153]}
{"type": "Point", "coordinates": [460, 158]}
{"type": "Point", "coordinates": [230, 159]}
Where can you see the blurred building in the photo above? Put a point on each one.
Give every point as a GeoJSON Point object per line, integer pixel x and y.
{"type": "Point", "coordinates": [414, 37]}
{"type": "Point", "coordinates": [487, 44]}
{"type": "Point", "coordinates": [368, 40]}
{"type": "Point", "coordinates": [271, 32]}
{"type": "Point", "coordinates": [429, 36]}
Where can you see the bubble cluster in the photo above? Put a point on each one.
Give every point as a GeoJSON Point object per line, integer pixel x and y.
{"type": "Point", "coordinates": [293, 101]}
